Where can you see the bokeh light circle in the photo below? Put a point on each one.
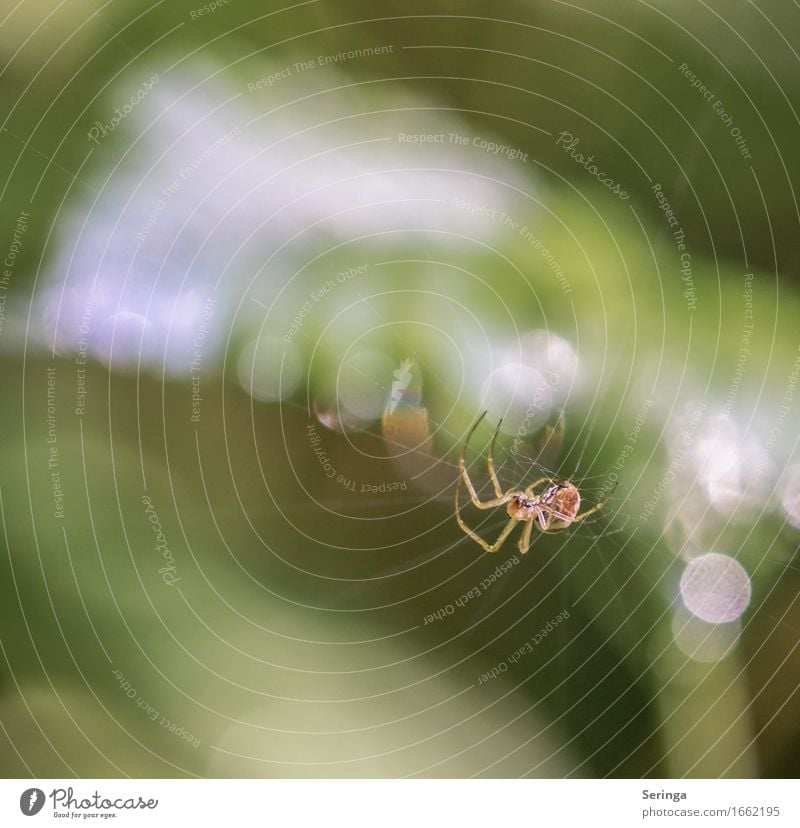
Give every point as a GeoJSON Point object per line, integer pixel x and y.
{"type": "Point", "coordinates": [269, 369]}
{"type": "Point", "coordinates": [519, 395]}
{"type": "Point", "coordinates": [715, 588]}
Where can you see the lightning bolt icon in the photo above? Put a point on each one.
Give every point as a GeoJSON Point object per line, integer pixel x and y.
{"type": "Point", "coordinates": [32, 802]}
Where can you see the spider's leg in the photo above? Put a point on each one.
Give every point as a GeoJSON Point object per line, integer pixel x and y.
{"type": "Point", "coordinates": [474, 535]}
{"type": "Point", "coordinates": [529, 489]}
{"type": "Point", "coordinates": [512, 522]}
{"type": "Point", "coordinates": [579, 518]}
{"type": "Point", "coordinates": [463, 473]}
{"type": "Point", "coordinates": [487, 504]}
{"type": "Point", "coordinates": [525, 540]}
{"type": "Point", "coordinates": [596, 508]}
{"type": "Point", "coordinates": [557, 515]}
{"type": "Point", "coordinates": [490, 462]}
{"type": "Point", "coordinates": [554, 515]}
{"type": "Point", "coordinates": [458, 505]}
{"type": "Point", "coordinates": [544, 522]}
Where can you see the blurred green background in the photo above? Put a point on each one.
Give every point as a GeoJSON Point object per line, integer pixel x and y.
{"type": "Point", "coordinates": [176, 328]}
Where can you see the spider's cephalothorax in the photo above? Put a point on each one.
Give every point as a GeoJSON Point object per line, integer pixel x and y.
{"type": "Point", "coordinates": [553, 510]}
{"type": "Point", "coordinates": [521, 507]}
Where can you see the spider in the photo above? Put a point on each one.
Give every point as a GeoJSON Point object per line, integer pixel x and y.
{"type": "Point", "coordinates": [552, 510]}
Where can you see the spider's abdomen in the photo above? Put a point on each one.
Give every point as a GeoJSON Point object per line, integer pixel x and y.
{"type": "Point", "coordinates": [565, 501]}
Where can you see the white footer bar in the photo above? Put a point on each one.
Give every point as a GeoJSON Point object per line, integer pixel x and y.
{"type": "Point", "coordinates": [491, 803]}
